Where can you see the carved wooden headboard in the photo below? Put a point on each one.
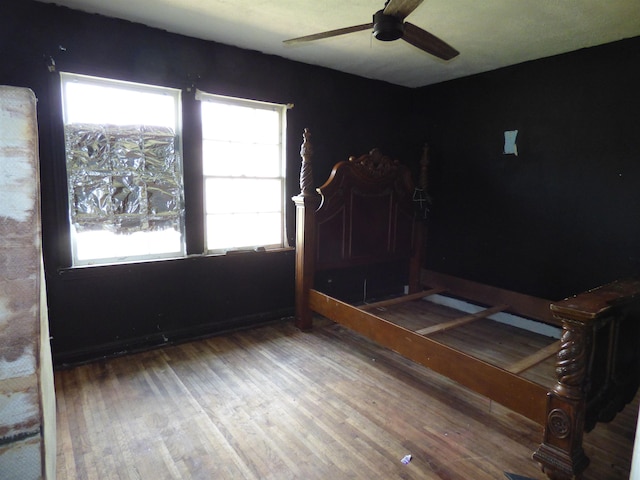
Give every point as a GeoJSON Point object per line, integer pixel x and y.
{"type": "Point", "coordinates": [366, 213]}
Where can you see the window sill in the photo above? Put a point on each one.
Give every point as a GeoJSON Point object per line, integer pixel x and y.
{"type": "Point", "coordinates": [99, 268]}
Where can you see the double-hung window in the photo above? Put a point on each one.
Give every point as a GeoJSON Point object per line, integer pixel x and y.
{"type": "Point", "coordinates": [123, 147]}
{"type": "Point", "coordinates": [243, 171]}
{"type": "Point", "coordinates": [124, 170]}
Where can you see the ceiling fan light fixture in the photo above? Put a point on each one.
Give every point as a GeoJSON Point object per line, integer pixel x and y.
{"type": "Point", "coordinates": [387, 27]}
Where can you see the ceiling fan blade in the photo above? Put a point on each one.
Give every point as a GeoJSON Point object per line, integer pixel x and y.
{"type": "Point", "coordinates": [330, 33]}
{"type": "Point", "coordinates": [428, 42]}
{"type": "Point", "coordinates": [401, 8]}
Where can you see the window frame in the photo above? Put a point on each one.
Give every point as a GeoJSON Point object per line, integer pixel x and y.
{"type": "Point", "coordinates": [281, 109]}
{"type": "Point", "coordinates": [176, 94]}
{"type": "Point", "coordinates": [193, 233]}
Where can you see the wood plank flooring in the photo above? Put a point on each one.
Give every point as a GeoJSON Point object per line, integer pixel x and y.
{"type": "Point", "coordinates": [276, 403]}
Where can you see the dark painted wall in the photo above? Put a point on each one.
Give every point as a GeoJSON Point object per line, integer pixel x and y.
{"type": "Point", "coordinates": [562, 216]}
{"type": "Point", "coordinates": [102, 310]}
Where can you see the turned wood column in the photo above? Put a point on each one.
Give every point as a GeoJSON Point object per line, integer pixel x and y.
{"type": "Point", "coordinates": [561, 455]}
{"type": "Point", "coordinates": [307, 202]}
{"type": "Point", "coordinates": [419, 234]}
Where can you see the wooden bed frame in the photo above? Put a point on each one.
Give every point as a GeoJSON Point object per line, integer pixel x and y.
{"type": "Point", "coordinates": [365, 217]}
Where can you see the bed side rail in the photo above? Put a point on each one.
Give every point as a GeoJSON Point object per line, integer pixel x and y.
{"type": "Point", "coordinates": [520, 304]}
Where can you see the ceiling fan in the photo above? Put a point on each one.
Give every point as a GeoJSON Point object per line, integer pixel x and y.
{"type": "Point", "coordinates": [388, 24]}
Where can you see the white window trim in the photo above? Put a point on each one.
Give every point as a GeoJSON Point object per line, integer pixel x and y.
{"type": "Point", "coordinates": [282, 108]}
{"type": "Point", "coordinates": [66, 78]}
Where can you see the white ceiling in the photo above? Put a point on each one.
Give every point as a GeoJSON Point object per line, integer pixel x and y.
{"type": "Point", "coordinates": [489, 33]}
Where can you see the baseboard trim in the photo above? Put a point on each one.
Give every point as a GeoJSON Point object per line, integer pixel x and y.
{"type": "Point", "coordinates": [72, 358]}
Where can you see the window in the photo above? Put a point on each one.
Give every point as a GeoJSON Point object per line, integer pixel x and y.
{"type": "Point", "coordinates": [123, 145]}
{"type": "Point", "coordinates": [243, 173]}
{"type": "Point", "coordinates": [124, 170]}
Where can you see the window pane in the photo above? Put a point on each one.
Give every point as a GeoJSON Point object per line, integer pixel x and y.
{"type": "Point", "coordinates": [240, 159]}
{"type": "Point", "coordinates": [117, 105]}
{"type": "Point", "coordinates": [243, 230]}
{"type": "Point", "coordinates": [237, 123]}
{"type": "Point", "coordinates": [242, 195]}
{"type": "Point", "coordinates": [101, 244]}
{"type": "Point", "coordinates": [123, 169]}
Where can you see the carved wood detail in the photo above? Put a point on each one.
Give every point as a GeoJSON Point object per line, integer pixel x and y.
{"type": "Point", "coordinates": [306, 170]}
{"type": "Point", "coordinates": [571, 364]}
{"type": "Point", "coordinates": [375, 163]}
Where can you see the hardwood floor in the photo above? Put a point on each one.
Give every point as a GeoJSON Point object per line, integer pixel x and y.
{"type": "Point", "coordinates": [276, 403]}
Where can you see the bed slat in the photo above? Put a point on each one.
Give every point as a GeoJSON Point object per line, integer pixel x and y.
{"type": "Point", "coordinates": [402, 299]}
{"type": "Point", "coordinates": [535, 358]}
{"type": "Point", "coordinates": [441, 327]}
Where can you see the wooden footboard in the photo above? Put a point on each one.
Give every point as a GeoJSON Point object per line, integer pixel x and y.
{"type": "Point", "coordinates": [597, 368]}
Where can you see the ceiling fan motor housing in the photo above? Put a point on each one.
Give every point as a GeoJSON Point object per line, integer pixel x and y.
{"type": "Point", "coordinates": [387, 27]}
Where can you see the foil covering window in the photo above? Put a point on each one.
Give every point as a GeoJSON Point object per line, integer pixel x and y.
{"type": "Point", "coordinates": [124, 171]}
{"type": "Point", "coordinates": [123, 179]}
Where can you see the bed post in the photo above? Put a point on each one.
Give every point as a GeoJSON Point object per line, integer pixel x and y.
{"type": "Point", "coordinates": [560, 455]}
{"type": "Point", "coordinates": [307, 202]}
{"type": "Point", "coordinates": [421, 197]}
{"type": "Point", "coordinates": [599, 341]}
